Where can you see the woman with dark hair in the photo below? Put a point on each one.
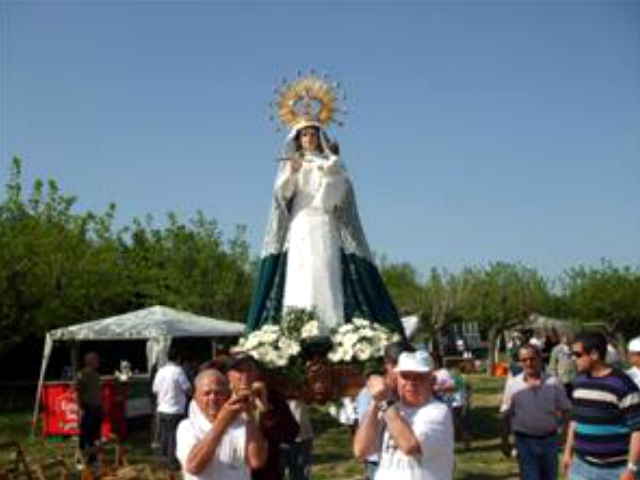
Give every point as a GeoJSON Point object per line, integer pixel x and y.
{"type": "Point", "coordinates": [315, 255]}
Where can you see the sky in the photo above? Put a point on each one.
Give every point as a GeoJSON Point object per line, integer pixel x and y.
{"type": "Point", "coordinates": [478, 131]}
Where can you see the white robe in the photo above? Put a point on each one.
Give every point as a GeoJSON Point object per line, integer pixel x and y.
{"type": "Point", "coordinates": [314, 274]}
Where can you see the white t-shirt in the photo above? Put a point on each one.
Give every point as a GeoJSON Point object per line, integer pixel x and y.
{"type": "Point", "coordinates": [228, 463]}
{"type": "Point", "coordinates": [171, 387]}
{"type": "Point", "coordinates": [433, 426]}
{"type": "Point", "coordinates": [634, 373]}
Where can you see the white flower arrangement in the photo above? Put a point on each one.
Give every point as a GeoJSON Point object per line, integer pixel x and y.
{"type": "Point", "coordinates": [360, 340]}
{"type": "Point", "coordinates": [279, 346]}
{"type": "Point", "coordinates": [270, 346]}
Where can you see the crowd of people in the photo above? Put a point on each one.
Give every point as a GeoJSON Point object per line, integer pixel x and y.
{"type": "Point", "coordinates": [578, 414]}
{"type": "Point", "coordinates": [583, 405]}
{"type": "Point", "coordinates": [225, 423]}
{"type": "Point", "coordinates": [237, 428]}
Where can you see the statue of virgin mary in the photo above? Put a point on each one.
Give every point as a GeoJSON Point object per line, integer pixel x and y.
{"type": "Point", "coordinates": [315, 255]}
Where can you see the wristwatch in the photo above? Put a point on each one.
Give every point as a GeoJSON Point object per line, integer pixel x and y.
{"type": "Point", "coordinates": [385, 405]}
{"type": "Point", "coordinates": [633, 467]}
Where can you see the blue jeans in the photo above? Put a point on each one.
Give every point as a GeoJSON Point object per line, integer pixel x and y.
{"type": "Point", "coordinates": [581, 470]}
{"type": "Point", "coordinates": [297, 459]}
{"type": "Point", "coordinates": [537, 457]}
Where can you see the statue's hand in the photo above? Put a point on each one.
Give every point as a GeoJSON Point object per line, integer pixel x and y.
{"type": "Point", "coordinates": [295, 164]}
{"type": "Point", "coordinates": [332, 166]}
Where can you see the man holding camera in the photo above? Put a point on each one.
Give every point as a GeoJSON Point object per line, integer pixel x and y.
{"type": "Point", "coordinates": [276, 422]}
{"type": "Point", "coordinates": [220, 439]}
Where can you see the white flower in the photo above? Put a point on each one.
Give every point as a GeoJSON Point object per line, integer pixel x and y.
{"type": "Point", "coordinates": [337, 355]}
{"type": "Point", "coordinates": [360, 340]}
{"type": "Point", "coordinates": [347, 328]}
{"type": "Point", "coordinates": [288, 347]}
{"type": "Point", "coordinates": [265, 354]}
{"type": "Point", "coordinates": [269, 346]}
{"type": "Point", "coordinates": [310, 329]}
{"type": "Point", "coordinates": [281, 360]}
{"type": "Point", "coordinates": [362, 352]}
{"type": "Point", "coordinates": [350, 339]}
{"type": "Point", "coordinates": [361, 322]}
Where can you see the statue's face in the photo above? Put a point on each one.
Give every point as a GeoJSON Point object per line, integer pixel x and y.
{"type": "Point", "coordinates": [309, 139]}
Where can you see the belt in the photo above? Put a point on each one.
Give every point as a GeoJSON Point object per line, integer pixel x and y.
{"type": "Point", "coordinates": [543, 436]}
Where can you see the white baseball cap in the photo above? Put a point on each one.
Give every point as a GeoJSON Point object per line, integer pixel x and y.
{"type": "Point", "coordinates": [634, 345]}
{"type": "Point", "coordinates": [536, 342]}
{"type": "Point", "coordinates": [419, 361]}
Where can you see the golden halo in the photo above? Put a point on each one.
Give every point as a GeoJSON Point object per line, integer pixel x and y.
{"type": "Point", "coordinates": [308, 99]}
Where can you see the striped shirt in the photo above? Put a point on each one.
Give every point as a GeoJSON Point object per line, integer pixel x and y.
{"type": "Point", "coordinates": [605, 411]}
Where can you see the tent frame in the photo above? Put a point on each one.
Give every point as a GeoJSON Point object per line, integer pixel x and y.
{"type": "Point", "coordinates": [158, 339]}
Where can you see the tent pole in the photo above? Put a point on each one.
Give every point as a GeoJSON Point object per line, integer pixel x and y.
{"type": "Point", "coordinates": [73, 357]}
{"type": "Point", "coordinates": [46, 353]}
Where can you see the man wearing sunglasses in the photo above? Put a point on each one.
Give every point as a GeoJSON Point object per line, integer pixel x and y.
{"type": "Point", "coordinates": [535, 408]}
{"type": "Point", "coordinates": [603, 441]}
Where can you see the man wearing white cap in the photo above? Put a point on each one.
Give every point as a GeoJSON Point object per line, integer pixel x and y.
{"type": "Point", "coordinates": [634, 359]}
{"type": "Point", "coordinates": [418, 429]}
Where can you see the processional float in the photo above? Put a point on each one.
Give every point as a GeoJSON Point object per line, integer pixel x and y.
{"type": "Point", "coordinates": [318, 321]}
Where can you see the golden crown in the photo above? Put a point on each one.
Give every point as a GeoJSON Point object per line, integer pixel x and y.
{"type": "Point", "coordinates": [308, 99]}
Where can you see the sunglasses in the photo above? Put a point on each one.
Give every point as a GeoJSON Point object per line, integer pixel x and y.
{"type": "Point", "coordinates": [528, 359]}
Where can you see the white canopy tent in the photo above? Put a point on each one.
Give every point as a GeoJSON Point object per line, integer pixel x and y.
{"type": "Point", "coordinates": [158, 325]}
{"type": "Point", "coordinates": [546, 325]}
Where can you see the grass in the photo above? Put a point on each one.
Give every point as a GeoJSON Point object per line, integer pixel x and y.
{"type": "Point", "coordinates": [332, 450]}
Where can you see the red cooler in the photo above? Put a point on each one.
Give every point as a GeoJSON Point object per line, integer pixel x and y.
{"type": "Point", "coordinates": [60, 414]}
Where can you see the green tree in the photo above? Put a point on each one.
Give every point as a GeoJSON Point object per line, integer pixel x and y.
{"type": "Point", "coordinates": [606, 295]}
{"type": "Point", "coordinates": [188, 266]}
{"type": "Point", "coordinates": [404, 286]}
{"type": "Point", "coordinates": [443, 294]}
{"type": "Point", "coordinates": [501, 297]}
{"type": "Point", "coordinates": [60, 267]}
{"type": "Point", "coordinates": [52, 261]}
